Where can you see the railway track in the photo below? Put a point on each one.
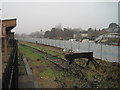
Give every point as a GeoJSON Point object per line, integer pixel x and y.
{"type": "Point", "coordinates": [60, 62]}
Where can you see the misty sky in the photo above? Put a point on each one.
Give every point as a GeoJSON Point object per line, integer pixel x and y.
{"type": "Point", "coordinates": [34, 16]}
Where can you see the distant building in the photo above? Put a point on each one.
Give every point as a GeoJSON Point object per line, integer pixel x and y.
{"type": "Point", "coordinates": [58, 26]}
{"type": "Point", "coordinates": [112, 35]}
{"type": "Point", "coordinates": [84, 35]}
{"type": "Point", "coordinates": [109, 39]}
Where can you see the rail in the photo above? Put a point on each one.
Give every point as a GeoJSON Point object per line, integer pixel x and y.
{"type": "Point", "coordinates": [60, 62]}
{"type": "Point", "coordinates": [10, 74]}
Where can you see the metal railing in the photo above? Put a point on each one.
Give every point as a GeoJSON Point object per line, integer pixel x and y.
{"type": "Point", "coordinates": [10, 75]}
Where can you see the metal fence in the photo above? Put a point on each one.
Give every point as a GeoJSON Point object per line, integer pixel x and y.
{"type": "Point", "coordinates": [100, 51]}
{"type": "Point", "coordinates": [10, 74]}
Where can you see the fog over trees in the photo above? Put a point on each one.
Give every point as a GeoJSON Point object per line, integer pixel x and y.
{"type": "Point", "coordinates": [68, 33]}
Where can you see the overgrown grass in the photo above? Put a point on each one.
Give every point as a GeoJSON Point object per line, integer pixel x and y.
{"type": "Point", "coordinates": [30, 54]}
{"type": "Point", "coordinates": [106, 75]}
{"type": "Point", "coordinates": [32, 58]}
{"type": "Point", "coordinates": [43, 49]}
{"type": "Point", "coordinates": [48, 73]}
{"type": "Point", "coordinates": [48, 68]}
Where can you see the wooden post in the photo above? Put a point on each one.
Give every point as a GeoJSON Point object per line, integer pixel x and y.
{"type": "Point", "coordinates": [5, 44]}
{"type": "Point", "coordinates": [12, 38]}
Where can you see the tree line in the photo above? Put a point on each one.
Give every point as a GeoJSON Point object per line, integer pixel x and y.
{"type": "Point", "coordinates": [69, 33]}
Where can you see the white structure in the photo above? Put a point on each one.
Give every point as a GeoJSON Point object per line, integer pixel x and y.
{"type": "Point", "coordinates": [109, 39]}
{"type": "Point", "coordinates": [112, 35]}
{"type": "Point", "coordinates": [108, 35]}
{"type": "Point", "coordinates": [84, 35]}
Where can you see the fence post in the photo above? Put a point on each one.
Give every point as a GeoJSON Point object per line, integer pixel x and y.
{"type": "Point", "coordinates": [78, 45]}
{"type": "Point", "coordinates": [42, 40]}
{"type": "Point", "coordinates": [59, 44]}
{"type": "Point", "coordinates": [39, 41]}
{"type": "Point", "coordinates": [89, 46]}
{"type": "Point", "coordinates": [71, 44]}
{"type": "Point", "coordinates": [48, 41]}
{"type": "Point", "coordinates": [55, 42]}
{"type": "Point", "coordinates": [51, 42]}
{"type": "Point", "coordinates": [64, 44]}
{"type": "Point", "coordinates": [101, 52]}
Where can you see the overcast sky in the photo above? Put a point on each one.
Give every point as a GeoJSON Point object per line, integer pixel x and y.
{"type": "Point", "coordinates": [34, 16]}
